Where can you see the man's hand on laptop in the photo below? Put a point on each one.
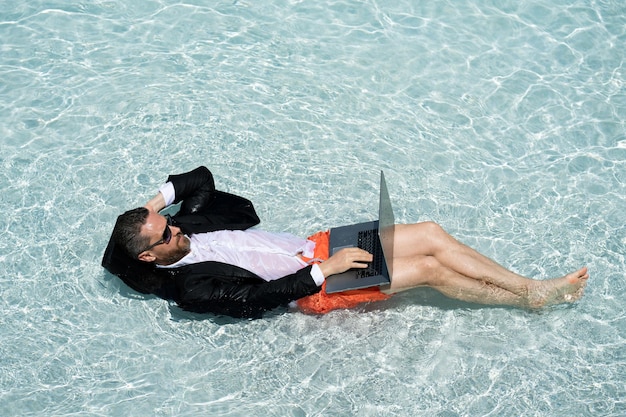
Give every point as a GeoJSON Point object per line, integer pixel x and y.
{"type": "Point", "coordinates": [344, 259]}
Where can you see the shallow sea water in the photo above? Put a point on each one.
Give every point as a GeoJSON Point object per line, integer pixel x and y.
{"type": "Point", "coordinates": [501, 120]}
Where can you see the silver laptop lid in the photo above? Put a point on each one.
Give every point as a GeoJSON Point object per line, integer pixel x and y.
{"type": "Point", "coordinates": [386, 222]}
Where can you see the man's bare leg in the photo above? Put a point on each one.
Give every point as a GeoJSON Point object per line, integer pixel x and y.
{"type": "Point", "coordinates": [429, 239]}
{"type": "Point", "coordinates": [417, 271]}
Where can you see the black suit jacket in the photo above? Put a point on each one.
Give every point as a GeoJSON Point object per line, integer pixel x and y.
{"type": "Point", "coordinates": [209, 287]}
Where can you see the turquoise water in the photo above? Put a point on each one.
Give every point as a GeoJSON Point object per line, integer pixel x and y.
{"type": "Point", "coordinates": [501, 120]}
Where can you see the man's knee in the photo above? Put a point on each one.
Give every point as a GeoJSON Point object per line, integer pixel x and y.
{"type": "Point", "coordinates": [432, 228]}
{"type": "Point", "coordinates": [438, 237]}
{"type": "Point", "coordinates": [416, 272]}
{"type": "Point", "coordinates": [430, 269]}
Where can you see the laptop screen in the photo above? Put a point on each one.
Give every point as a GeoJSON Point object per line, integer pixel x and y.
{"type": "Point", "coordinates": [386, 222]}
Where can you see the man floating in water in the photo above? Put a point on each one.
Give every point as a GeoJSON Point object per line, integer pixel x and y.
{"type": "Point", "coordinates": [208, 258]}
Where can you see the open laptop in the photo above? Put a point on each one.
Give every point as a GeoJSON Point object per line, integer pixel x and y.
{"type": "Point", "coordinates": [375, 237]}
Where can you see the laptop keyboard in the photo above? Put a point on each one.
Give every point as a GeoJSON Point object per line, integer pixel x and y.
{"type": "Point", "coordinates": [368, 240]}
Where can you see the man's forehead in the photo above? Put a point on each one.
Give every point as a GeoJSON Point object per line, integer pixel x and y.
{"type": "Point", "coordinates": [154, 223]}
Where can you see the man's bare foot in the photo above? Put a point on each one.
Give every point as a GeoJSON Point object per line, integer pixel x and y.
{"type": "Point", "coordinates": [566, 289]}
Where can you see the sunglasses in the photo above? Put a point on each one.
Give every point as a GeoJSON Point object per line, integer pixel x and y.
{"type": "Point", "coordinates": [167, 236]}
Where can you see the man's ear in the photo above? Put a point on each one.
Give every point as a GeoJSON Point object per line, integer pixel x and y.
{"type": "Point", "coordinates": [146, 257]}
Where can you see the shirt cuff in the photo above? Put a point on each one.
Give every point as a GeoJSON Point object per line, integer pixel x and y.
{"type": "Point", "coordinates": [316, 274]}
{"type": "Point", "coordinates": [168, 192]}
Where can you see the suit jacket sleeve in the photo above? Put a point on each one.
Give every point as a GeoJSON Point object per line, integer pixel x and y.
{"type": "Point", "coordinates": [204, 209]}
{"type": "Point", "coordinates": [233, 292]}
{"type": "Point", "coordinates": [196, 189]}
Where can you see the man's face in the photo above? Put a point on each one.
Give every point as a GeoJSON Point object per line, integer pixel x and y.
{"type": "Point", "coordinates": [162, 252]}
